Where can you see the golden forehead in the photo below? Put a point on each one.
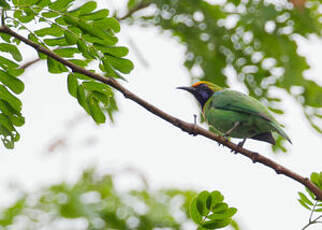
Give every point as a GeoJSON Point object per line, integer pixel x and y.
{"type": "Point", "coordinates": [199, 83]}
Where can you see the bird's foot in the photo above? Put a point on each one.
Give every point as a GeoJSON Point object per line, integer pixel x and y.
{"type": "Point", "coordinates": [233, 151]}
{"type": "Point", "coordinates": [255, 157]}
{"type": "Point", "coordinates": [194, 128]}
{"type": "Point", "coordinates": [241, 144]}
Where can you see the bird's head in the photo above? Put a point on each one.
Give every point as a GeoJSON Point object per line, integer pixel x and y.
{"type": "Point", "coordinates": [202, 91]}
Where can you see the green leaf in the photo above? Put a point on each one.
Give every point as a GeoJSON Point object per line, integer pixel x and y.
{"type": "Point", "coordinates": [121, 64]}
{"type": "Point", "coordinates": [310, 193]}
{"type": "Point", "coordinates": [223, 215]}
{"type": "Point", "coordinates": [106, 67]}
{"type": "Point", "coordinates": [234, 225]}
{"type": "Point", "coordinates": [84, 9]}
{"type": "Point", "coordinates": [6, 37]}
{"type": "Point", "coordinates": [81, 45]}
{"type": "Point", "coordinates": [50, 14]}
{"type": "Point", "coordinates": [106, 41]}
{"type": "Point", "coordinates": [305, 199]}
{"type": "Point", "coordinates": [43, 3]}
{"type": "Point", "coordinates": [117, 51]}
{"type": "Point", "coordinates": [105, 99]}
{"type": "Point", "coordinates": [82, 25]}
{"type": "Point", "coordinates": [315, 178]}
{"type": "Point", "coordinates": [11, 99]}
{"type": "Point", "coordinates": [6, 123]}
{"type": "Point", "coordinates": [7, 109]}
{"type": "Point", "coordinates": [55, 66]}
{"type": "Point", "coordinates": [106, 23]}
{"type": "Point", "coordinates": [6, 63]}
{"type": "Point", "coordinates": [202, 203]}
{"type": "Point", "coordinates": [214, 198]}
{"type": "Point", "coordinates": [95, 15]}
{"type": "Point", "coordinates": [194, 212]}
{"type": "Point", "coordinates": [72, 85]}
{"type": "Point", "coordinates": [12, 49]}
{"type": "Point", "coordinates": [96, 86]}
{"type": "Point", "coordinates": [60, 5]}
{"type": "Point", "coordinates": [214, 224]}
{"type": "Point", "coordinates": [11, 82]}
{"type": "Point", "coordinates": [82, 63]}
{"type": "Point", "coordinates": [66, 52]}
{"type": "Point", "coordinates": [25, 15]}
{"type": "Point", "coordinates": [82, 76]}
{"type": "Point", "coordinates": [56, 41]}
{"type": "Point", "coordinates": [95, 110]}
{"type": "Point", "coordinates": [70, 37]}
{"type": "Point", "coordinates": [4, 4]}
{"type": "Point", "coordinates": [54, 30]}
{"type": "Point", "coordinates": [15, 72]}
{"type": "Point", "coordinates": [219, 207]}
{"type": "Point", "coordinates": [60, 20]}
{"type": "Point", "coordinates": [304, 204]}
{"type": "Point", "coordinates": [81, 97]}
{"type": "Point", "coordinates": [277, 111]}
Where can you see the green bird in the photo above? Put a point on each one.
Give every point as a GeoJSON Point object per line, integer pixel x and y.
{"type": "Point", "coordinates": [235, 114]}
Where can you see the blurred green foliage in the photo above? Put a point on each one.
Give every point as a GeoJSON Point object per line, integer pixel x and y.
{"type": "Point", "coordinates": [252, 41]}
{"type": "Point", "coordinates": [93, 202]}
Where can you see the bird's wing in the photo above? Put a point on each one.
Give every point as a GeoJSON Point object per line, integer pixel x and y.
{"type": "Point", "coordinates": [238, 102]}
{"type": "Point", "coordinates": [235, 101]}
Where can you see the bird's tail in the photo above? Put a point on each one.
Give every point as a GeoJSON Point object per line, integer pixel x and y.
{"type": "Point", "coordinates": [281, 132]}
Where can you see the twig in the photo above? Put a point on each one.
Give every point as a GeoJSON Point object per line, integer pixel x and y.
{"type": "Point", "coordinates": [134, 9]}
{"type": "Point", "coordinates": [185, 126]}
{"type": "Point", "coordinates": [313, 208]}
{"type": "Point", "coordinates": [29, 63]}
{"type": "Point", "coordinates": [311, 222]}
{"type": "Point", "coordinates": [138, 53]}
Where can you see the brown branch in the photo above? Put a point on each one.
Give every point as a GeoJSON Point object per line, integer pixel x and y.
{"type": "Point", "coordinates": [134, 9]}
{"type": "Point", "coordinates": [29, 63]}
{"type": "Point", "coordinates": [186, 127]}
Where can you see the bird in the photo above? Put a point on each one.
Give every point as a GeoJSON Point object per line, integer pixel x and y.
{"type": "Point", "coordinates": [235, 114]}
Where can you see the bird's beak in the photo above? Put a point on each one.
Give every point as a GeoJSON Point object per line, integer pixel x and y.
{"type": "Point", "coordinates": [189, 89]}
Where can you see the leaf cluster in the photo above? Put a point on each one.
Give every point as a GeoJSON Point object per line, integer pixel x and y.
{"type": "Point", "coordinates": [10, 87]}
{"type": "Point", "coordinates": [210, 212]}
{"type": "Point", "coordinates": [81, 34]}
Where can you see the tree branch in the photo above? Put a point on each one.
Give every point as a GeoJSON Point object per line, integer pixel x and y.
{"type": "Point", "coordinates": [140, 6]}
{"type": "Point", "coordinates": [29, 63]}
{"type": "Point", "coordinates": [186, 127]}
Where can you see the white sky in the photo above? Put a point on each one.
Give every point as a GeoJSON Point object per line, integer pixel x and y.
{"type": "Point", "coordinates": [165, 154]}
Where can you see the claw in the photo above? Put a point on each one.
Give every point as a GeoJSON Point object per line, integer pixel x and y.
{"type": "Point", "coordinates": [254, 159]}
{"type": "Point", "coordinates": [241, 144]}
